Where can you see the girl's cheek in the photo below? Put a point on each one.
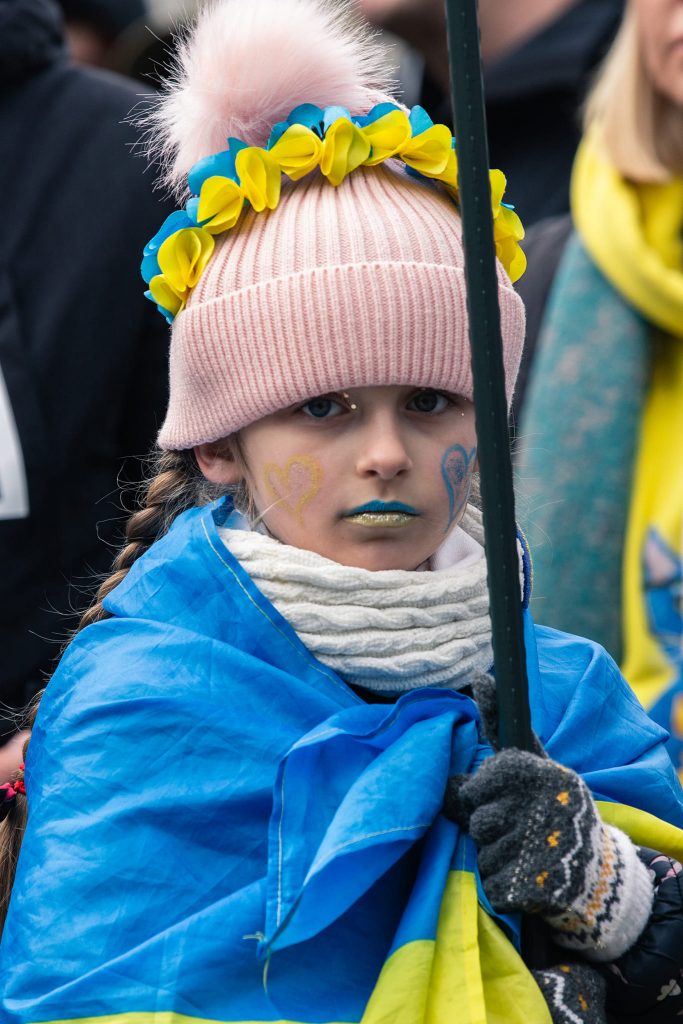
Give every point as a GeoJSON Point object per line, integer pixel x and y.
{"type": "Point", "coordinates": [291, 486]}
{"type": "Point", "coordinates": [457, 466]}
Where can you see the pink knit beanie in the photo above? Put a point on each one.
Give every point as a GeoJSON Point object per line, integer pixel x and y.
{"type": "Point", "coordinates": [336, 288]}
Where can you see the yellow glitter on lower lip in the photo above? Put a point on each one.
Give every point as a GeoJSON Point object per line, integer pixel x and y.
{"type": "Point", "coordinates": [382, 520]}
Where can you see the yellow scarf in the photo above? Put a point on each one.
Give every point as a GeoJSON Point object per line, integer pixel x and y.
{"type": "Point", "coordinates": [633, 234]}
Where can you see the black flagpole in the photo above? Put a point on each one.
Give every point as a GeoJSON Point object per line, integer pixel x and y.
{"type": "Point", "coordinates": [467, 96]}
{"type": "Point", "coordinates": [509, 656]}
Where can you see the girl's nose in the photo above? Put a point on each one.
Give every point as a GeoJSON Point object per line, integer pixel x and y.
{"type": "Point", "coordinates": [383, 453]}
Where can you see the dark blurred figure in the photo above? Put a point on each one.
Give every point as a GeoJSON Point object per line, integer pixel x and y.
{"type": "Point", "coordinates": [93, 27]}
{"type": "Point", "coordinates": [143, 49]}
{"type": "Point", "coordinates": [78, 341]}
{"type": "Point", "coordinates": [538, 58]}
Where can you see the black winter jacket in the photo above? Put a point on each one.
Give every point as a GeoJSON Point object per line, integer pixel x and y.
{"type": "Point", "coordinates": [533, 99]}
{"type": "Point", "coordinates": [645, 986]}
{"type": "Point", "coordinates": [82, 353]}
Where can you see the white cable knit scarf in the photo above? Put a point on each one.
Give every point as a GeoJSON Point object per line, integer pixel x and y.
{"type": "Point", "coordinates": [387, 631]}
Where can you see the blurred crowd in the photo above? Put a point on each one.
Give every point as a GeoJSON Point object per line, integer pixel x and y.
{"type": "Point", "coordinates": [584, 104]}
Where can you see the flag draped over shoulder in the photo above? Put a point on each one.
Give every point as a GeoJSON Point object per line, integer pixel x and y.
{"type": "Point", "coordinates": [220, 830]}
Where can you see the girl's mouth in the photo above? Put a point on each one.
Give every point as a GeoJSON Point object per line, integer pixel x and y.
{"type": "Point", "coordinates": [392, 515]}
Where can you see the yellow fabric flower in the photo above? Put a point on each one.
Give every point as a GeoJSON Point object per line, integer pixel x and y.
{"type": "Point", "coordinates": [220, 204]}
{"type": "Point", "coordinates": [386, 135]}
{"type": "Point", "coordinates": [182, 260]}
{"type": "Point", "coordinates": [297, 151]}
{"type": "Point", "coordinates": [507, 229]}
{"type": "Point", "coordinates": [429, 152]}
{"type": "Point", "coordinates": [508, 222]}
{"type": "Point", "coordinates": [498, 184]}
{"type": "Point", "coordinates": [344, 148]}
{"type": "Point", "coordinates": [449, 175]}
{"type": "Point", "coordinates": [512, 257]}
{"type": "Point", "coordinates": [260, 177]}
{"type": "Point", "coordinates": [164, 296]}
{"type": "Point", "coordinates": [507, 233]}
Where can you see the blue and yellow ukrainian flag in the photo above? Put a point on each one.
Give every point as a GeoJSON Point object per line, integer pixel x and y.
{"type": "Point", "coordinates": [220, 831]}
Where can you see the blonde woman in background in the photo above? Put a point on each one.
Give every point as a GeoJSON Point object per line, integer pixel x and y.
{"type": "Point", "coordinates": [602, 425]}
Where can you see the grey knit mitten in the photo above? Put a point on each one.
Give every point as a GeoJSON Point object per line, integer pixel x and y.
{"type": "Point", "coordinates": [543, 849]}
{"type": "Point", "coordinates": [575, 994]}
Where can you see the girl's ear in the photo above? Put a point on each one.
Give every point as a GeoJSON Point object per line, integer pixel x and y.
{"type": "Point", "coordinates": [218, 463]}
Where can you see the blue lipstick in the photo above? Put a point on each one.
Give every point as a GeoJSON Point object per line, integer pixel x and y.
{"type": "Point", "coordinates": [383, 507]}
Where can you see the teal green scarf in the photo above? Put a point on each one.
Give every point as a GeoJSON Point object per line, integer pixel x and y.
{"type": "Point", "coordinates": [577, 446]}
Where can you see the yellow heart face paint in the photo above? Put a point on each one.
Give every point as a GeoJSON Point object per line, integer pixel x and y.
{"type": "Point", "coordinates": [294, 484]}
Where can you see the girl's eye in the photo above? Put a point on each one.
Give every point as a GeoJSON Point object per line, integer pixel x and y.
{"type": "Point", "coordinates": [428, 401]}
{"type": "Point", "coordinates": [322, 408]}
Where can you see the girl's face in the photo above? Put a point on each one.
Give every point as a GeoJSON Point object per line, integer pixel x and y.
{"type": "Point", "coordinates": [660, 29]}
{"type": "Point", "coordinates": [373, 477]}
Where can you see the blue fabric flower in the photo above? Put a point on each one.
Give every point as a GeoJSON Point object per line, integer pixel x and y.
{"type": "Point", "coordinates": [192, 210]}
{"type": "Point", "coordinates": [420, 120]}
{"type": "Point", "coordinates": [332, 114]}
{"type": "Point", "coordinates": [374, 115]}
{"type": "Point", "coordinates": [310, 116]}
{"type": "Point", "coordinates": [149, 267]}
{"type": "Point", "coordinates": [306, 114]}
{"type": "Point", "coordinates": [277, 131]}
{"type": "Point", "coordinates": [221, 164]}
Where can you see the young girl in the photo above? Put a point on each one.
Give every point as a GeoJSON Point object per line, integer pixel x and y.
{"type": "Point", "coordinates": [237, 775]}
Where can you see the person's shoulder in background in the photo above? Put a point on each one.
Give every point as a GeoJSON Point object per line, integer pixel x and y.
{"type": "Point", "coordinates": [544, 246]}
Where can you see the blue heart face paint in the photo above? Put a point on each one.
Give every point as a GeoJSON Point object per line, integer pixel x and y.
{"type": "Point", "coordinates": [457, 466]}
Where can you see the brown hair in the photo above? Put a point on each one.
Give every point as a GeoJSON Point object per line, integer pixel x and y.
{"type": "Point", "coordinates": [640, 129]}
{"type": "Point", "coordinates": [174, 485]}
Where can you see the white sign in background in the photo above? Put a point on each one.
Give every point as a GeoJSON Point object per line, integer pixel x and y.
{"type": "Point", "coordinates": [13, 487]}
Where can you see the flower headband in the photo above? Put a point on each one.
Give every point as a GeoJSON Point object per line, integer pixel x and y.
{"type": "Point", "coordinates": [337, 143]}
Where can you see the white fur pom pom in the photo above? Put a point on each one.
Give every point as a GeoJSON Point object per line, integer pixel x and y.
{"type": "Point", "coordinates": [247, 63]}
